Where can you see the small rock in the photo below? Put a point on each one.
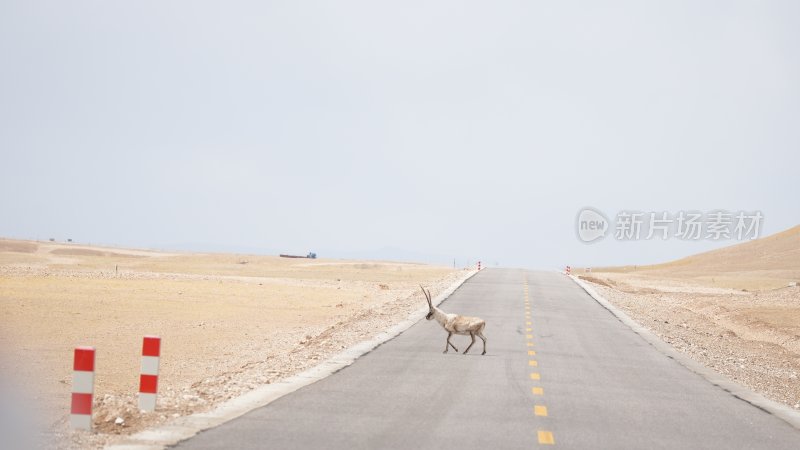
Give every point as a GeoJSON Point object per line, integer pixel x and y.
{"type": "Point", "coordinates": [119, 421]}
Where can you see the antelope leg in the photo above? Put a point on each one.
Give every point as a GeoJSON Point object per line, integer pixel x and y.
{"type": "Point", "coordinates": [449, 344]}
{"type": "Point", "coordinates": [472, 335]}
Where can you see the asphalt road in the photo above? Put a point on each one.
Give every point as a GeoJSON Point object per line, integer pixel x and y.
{"type": "Point", "coordinates": [578, 379]}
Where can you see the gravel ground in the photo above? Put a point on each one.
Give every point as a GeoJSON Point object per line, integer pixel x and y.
{"type": "Point", "coordinates": [228, 323]}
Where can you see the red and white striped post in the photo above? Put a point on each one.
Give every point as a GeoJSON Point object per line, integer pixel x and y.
{"type": "Point", "coordinates": [82, 388]}
{"type": "Point", "coordinates": [479, 266]}
{"type": "Point", "coordinates": [568, 271]}
{"type": "Point", "coordinates": [148, 380]}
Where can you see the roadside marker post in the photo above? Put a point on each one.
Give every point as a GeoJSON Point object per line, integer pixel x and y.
{"type": "Point", "coordinates": [568, 270]}
{"type": "Point", "coordinates": [80, 416]}
{"type": "Point", "coordinates": [148, 380]}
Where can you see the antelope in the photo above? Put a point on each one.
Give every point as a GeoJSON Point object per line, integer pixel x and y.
{"type": "Point", "coordinates": [455, 324]}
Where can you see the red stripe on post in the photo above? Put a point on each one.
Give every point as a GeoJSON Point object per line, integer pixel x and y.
{"type": "Point", "coordinates": [81, 404]}
{"type": "Point", "coordinates": [148, 384]}
{"type": "Point", "coordinates": [84, 359]}
{"type": "Point", "coordinates": [151, 346]}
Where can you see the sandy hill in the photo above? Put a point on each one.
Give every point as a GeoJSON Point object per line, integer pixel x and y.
{"type": "Point", "coordinates": [769, 262]}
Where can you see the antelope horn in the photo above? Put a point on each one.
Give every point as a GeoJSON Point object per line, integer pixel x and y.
{"type": "Point", "coordinates": [427, 295]}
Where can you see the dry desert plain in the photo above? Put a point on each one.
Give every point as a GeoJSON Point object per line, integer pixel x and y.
{"type": "Point", "coordinates": [228, 323]}
{"type": "Point", "coordinates": [233, 322]}
{"type": "Point", "coordinates": [735, 310]}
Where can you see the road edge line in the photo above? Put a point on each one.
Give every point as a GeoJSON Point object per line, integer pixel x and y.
{"type": "Point", "coordinates": [743, 393]}
{"type": "Point", "coordinates": [182, 428]}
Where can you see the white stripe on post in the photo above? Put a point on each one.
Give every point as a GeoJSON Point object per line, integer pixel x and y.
{"type": "Point", "coordinates": [150, 365]}
{"type": "Point", "coordinates": [148, 379]}
{"type": "Point", "coordinates": [82, 388]}
{"type": "Point", "coordinates": [147, 402]}
{"type": "Point", "coordinates": [82, 382]}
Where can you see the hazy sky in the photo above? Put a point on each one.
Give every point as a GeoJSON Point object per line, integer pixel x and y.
{"type": "Point", "coordinates": [455, 129]}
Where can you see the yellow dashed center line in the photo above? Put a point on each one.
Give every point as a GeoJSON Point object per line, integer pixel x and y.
{"type": "Point", "coordinates": [546, 437]}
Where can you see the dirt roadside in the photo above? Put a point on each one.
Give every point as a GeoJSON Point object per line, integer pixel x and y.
{"type": "Point", "coordinates": [751, 337]}
{"type": "Point", "coordinates": [229, 323]}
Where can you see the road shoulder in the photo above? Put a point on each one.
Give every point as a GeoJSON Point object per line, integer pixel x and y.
{"type": "Point", "coordinates": [779, 410]}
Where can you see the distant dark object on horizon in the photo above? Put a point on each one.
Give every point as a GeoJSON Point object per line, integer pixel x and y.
{"type": "Point", "coordinates": [311, 255]}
